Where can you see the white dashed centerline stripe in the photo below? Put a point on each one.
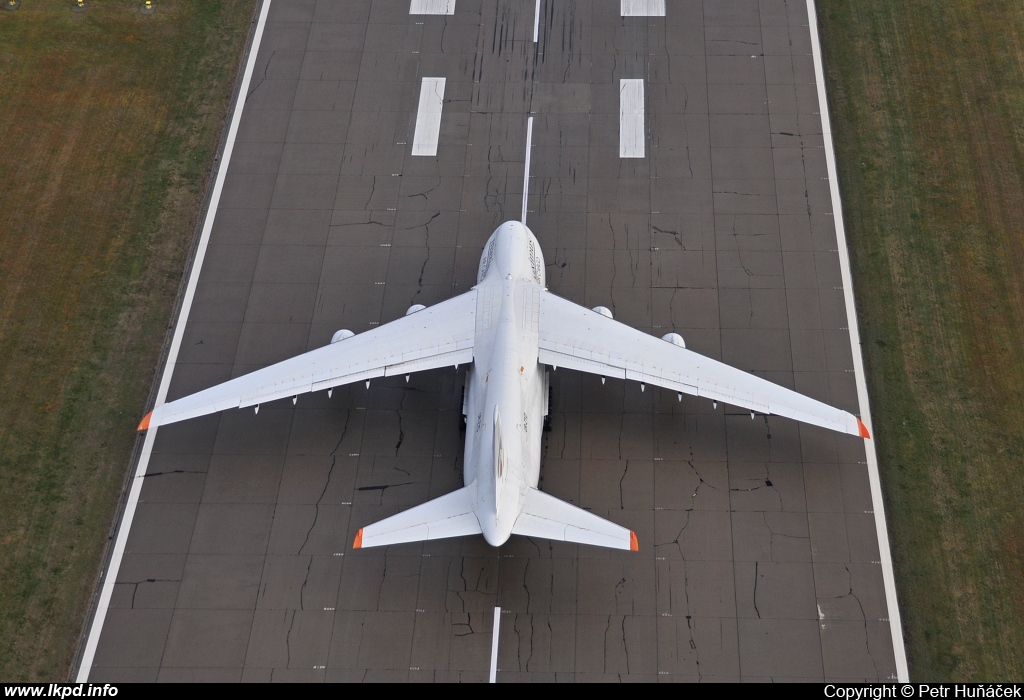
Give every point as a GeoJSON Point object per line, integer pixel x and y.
{"type": "Point", "coordinates": [494, 646]}
{"type": "Point", "coordinates": [631, 118]}
{"type": "Point", "coordinates": [885, 554]}
{"type": "Point", "coordinates": [526, 167]}
{"type": "Point", "coordinates": [432, 7]}
{"type": "Point", "coordinates": [643, 8]}
{"type": "Point", "coordinates": [428, 117]}
{"type": "Point", "coordinates": [110, 576]}
{"type": "Point", "coordinates": [536, 22]}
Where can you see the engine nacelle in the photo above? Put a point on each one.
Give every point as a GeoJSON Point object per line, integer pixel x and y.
{"type": "Point", "coordinates": [341, 335]}
{"type": "Point", "coordinates": [675, 339]}
{"type": "Point", "coordinates": [414, 308]}
{"type": "Point", "coordinates": [603, 310]}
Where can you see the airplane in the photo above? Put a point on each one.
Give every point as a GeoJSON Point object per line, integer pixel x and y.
{"type": "Point", "coordinates": [509, 328]}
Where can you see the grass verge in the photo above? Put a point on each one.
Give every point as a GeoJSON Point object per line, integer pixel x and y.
{"type": "Point", "coordinates": [927, 99]}
{"type": "Point", "coordinates": [109, 122]}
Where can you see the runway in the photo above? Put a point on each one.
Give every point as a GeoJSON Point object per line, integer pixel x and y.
{"type": "Point", "coordinates": [677, 176]}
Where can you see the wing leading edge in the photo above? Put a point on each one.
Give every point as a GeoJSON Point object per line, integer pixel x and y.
{"type": "Point", "coordinates": [438, 336]}
{"type": "Point", "coordinates": [577, 338]}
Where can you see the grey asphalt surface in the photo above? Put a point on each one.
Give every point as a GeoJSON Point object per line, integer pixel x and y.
{"type": "Point", "coordinates": [758, 554]}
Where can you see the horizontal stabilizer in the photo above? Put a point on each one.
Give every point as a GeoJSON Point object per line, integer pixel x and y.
{"type": "Point", "coordinates": [549, 518]}
{"type": "Point", "coordinates": [451, 515]}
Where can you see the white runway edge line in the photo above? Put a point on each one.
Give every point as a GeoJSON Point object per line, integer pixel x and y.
{"type": "Point", "coordinates": [110, 576]}
{"type": "Point", "coordinates": [643, 8]}
{"type": "Point", "coordinates": [526, 167]}
{"type": "Point", "coordinates": [631, 118]}
{"type": "Point", "coordinates": [888, 576]}
{"type": "Point", "coordinates": [428, 117]}
{"type": "Point", "coordinates": [432, 7]}
{"type": "Point", "coordinates": [494, 647]}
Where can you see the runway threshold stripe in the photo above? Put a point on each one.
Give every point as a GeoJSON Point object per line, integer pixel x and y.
{"type": "Point", "coordinates": [494, 646]}
{"type": "Point", "coordinates": [432, 7]}
{"type": "Point", "coordinates": [631, 118]}
{"type": "Point", "coordinates": [885, 553]}
{"type": "Point", "coordinates": [110, 575]}
{"type": "Point", "coordinates": [428, 117]}
{"type": "Point", "coordinates": [643, 8]}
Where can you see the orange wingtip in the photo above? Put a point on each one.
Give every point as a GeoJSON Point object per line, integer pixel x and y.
{"type": "Point", "coordinates": [863, 430]}
{"type": "Point", "coordinates": [634, 546]}
{"type": "Point", "coordinates": [357, 543]}
{"type": "Point", "coordinates": [144, 425]}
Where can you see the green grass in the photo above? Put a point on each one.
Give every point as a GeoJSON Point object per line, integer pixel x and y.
{"type": "Point", "coordinates": [927, 99]}
{"type": "Point", "coordinates": [109, 121]}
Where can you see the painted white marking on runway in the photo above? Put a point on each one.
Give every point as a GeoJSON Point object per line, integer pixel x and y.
{"type": "Point", "coordinates": [888, 576]}
{"type": "Point", "coordinates": [643, 8]}
{"type": "Point", "coordinates": [526, 168]}
{"type": "Point", "coordinates": [536, 22]}
{"type": "Point", "coordinates": [428, 117]}
{"type": "Point", "coordinates": [110, 576]}
{"type": "Point", "coordinates": [432, 7]}
{"type": "Point", "coordinates": [494, 646]}
{"type": "Point", "coordinates": [631, 118]}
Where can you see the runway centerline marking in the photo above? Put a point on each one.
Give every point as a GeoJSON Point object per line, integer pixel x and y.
{"type": "Point", "coordinates": [428, 117]}
{"type": "Point", "coordinates": [631, 118]}
{"type": "Point", "coordinates": [642, 8]}
{"type": "Point", "coordinates": [432, 7]}
{"type": "Point", "coordinates": [124, 529]}
{"type": "Point", "coordinates": [526, 169]}
{"type": "Point", "coordinates": [536, 22]}
{"type": "Point", "coordinates": [494, 646]}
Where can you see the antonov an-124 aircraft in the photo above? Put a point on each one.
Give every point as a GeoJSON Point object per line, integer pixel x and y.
{"type": "Point", "coordinates": [510, 328]}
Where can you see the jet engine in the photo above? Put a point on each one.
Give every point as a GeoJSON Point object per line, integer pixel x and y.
{"type": "Point", "coordinates": [341, 335]}
{"type": "Point", "coordinates": [675, 339]}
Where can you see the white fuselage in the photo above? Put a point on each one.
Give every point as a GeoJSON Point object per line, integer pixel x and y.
{"type": "Point", "coordinates": [506, 389]}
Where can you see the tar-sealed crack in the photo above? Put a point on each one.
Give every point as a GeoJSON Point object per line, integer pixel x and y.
{"type": "Point", "coordinates": [675, 234]}
{"type": "Point", "coordinates": [174, 471]}
{"type": "Point", "coordinates": [136, 585]}
{"type": "Point", "coordinates": [373, 189]}
{"type": "Point", "coordinates": [526, 587]}
{"type": "Point", "coordinates": [679, 536]}
{"type": "Point", "coordinates": [383, 487]}
{"type": "Point", "coordinates": [700, 482]}
{"type": "Point", "coordinates": [305, 582]}
{"type": "Point", "coordinates": [867, 637]}
{"type": "Point", "coordinates": [625, 644]}
{"type": "Point", "coordinates": [288, 638]}
{"type": "Point", "coordinates": [773, 535]}
{"type": "Point", "coordinates": [401, 435]}
{"type": "Point", "coordinates": [266, 69]}
{"type": "Point", "coordinates": [327, 481]}
{"type": "Point", "coordinates": [756, 565]}
{"type": "Point", "coordinates": [622, 497]}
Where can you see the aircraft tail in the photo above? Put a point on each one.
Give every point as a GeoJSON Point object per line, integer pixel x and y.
{"type": "Point", "coordinates": [451, 515]}
{"type": "Point", "coordinates": [549, 518]}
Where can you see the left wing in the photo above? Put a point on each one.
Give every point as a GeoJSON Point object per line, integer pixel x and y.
{"type": "Point", "coordinates": [578, 338]}
{"type": "Point", "coordinates": [439, 336]}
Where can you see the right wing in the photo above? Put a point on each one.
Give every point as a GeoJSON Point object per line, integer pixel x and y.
{"type": "Point", "coordinates": [439, 336]}
{"type": "Point", "coordinates": [577, 338]}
